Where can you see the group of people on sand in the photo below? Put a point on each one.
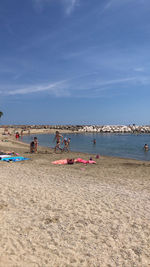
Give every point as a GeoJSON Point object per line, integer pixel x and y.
{"type": "Point", "coordinates": [59, 140]}
{"type": "Point", "coordinates": [62, 141]}
{"type": "Point", "coordinates": [34, 145]}
{"type": "Point", "coordinates": [18, 135]}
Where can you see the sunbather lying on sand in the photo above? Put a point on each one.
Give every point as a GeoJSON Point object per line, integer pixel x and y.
{"type": "Point", "coordinates": [8, 153]}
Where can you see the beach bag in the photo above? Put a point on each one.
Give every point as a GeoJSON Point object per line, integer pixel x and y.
{"type": "Point", "coordinates": [70, 161]}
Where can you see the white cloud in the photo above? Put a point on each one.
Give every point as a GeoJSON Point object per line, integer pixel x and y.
{"type": "Point", "coordinates": [108, 5]}
{"type": "Point", "coordinates": [69, 5]}
{"type": "Point", "coordinates": [117, 81]}
{"type": "Point", "coordinates": [77, 87]}
{"type": "Point", "coordinates": [52, 87]}
{"type": "Point", "coordinates": [115, 3]}
{"type": "Point", "coordinates": [38, 4]}
{"type": "Point", "coordinates": [140, 69]}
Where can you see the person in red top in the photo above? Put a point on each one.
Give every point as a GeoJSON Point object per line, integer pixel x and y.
{"type": "Point", "coordinates": [17, 135]}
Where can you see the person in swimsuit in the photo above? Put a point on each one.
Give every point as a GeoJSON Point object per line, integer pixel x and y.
{"type": "Point", "coordinates": [66, 144]}
{"type": "Point", "coordinates": [17, 135]}
{"type": "Point", "coordinates": [32, 147]}
{"type": "Point", "coordinates": [94, 141]}
{"type": "Point", "coordinates": [146, 147]}
{"type": "Point", "coordinates": [58, 138]}
{"type": "Point", "coordinates": [21, 133]}
{"type": "Point", "coordinates": [35, 144]}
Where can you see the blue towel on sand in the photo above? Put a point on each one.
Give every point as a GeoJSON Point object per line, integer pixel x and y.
{"type": "Point", "coordinates": [14, 159]}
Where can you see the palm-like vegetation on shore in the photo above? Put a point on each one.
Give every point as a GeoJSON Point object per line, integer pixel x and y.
{"type": "Point", "coordinates": [1, 114]}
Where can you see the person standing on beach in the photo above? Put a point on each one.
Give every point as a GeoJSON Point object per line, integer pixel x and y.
{"type": "Point", "coordinates": [32, 147]}
{"type": "Point", "coordinates": [29, 131]}
{"type": "Point", "coordinates": [17, 135]}
{"type": "Point", "coordinates": [66, 144]}
{"type": "Point", "coordinates": [21, 133]}
{"type": "Point", "coordinates": [35, 144]}
{"type": "Point", "coordinates": [58, 138]}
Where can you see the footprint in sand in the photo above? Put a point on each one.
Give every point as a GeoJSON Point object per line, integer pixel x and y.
{"type": "Point", "coordinates": [51, 220]}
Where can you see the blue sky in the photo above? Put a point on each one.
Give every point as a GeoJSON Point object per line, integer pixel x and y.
{"type": "Point", "coordinates": [75, 61]}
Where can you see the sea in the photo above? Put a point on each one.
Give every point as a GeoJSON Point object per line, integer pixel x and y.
{"type": "Point", "coordinates": [116, 145]}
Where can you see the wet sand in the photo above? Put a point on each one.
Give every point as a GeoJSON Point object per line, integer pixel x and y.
{"type": "Point", "coordinates": [73, 215]}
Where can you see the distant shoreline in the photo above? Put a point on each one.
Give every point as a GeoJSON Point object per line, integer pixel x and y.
{"type": "Point", "coordinates": [8, 142]}
{"type": "Point", "coordinates": [77, 128]}
{"type": "Point", "coordinates": [117, 145]}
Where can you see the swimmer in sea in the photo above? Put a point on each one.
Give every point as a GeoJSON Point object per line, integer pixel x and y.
{"type": "Point", "coordinates": [94, 141]}
{"type": "Point", "coordinates": [146, 148]}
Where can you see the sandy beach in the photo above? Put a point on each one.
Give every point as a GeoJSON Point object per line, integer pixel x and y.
{"type": "Point", "coordinates": [73, 215]}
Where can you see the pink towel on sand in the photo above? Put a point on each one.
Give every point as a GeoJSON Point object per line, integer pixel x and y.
{"type": "Point", "coordinates": [65, 161]}
{"type": "Point", "coordinates": [85, 161]}
{"type": "Point", "coordinates": [61, 161]}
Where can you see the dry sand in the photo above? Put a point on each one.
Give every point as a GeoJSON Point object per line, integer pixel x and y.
{"type": "Point", "coordinates": [73, 215]}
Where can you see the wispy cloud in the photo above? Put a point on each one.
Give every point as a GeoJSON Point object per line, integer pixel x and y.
{"type": "Point", "coordinates": [89, 88]}
{"type": "Point", "coordinates": [51, 87]}
{"type": "Point", "coordinates": [114, 3]}
{"type": "Point", "coordinates": [69, 5]}
{"type": "Point", "coordinates": [139, 69]}
{"type": "Point", "coordinates": [77, 87]}
{"type": "Point", "coordinates": [40, 4]}
{"type": "Point", "coordinates": [118, 81]}
{"type": "Point", "coordinates": [108, 5]}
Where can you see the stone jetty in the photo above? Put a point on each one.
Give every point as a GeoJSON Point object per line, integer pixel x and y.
{"type": "Point", "coordinates": [90, 128]}
{"type": "Point", "coordinates": [116, 129]}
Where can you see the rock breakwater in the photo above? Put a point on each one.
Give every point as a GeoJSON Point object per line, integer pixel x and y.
{"type": "Point", "coordinates": [116, 129]}
{"type": "Point", "coordinates": [89, 128]}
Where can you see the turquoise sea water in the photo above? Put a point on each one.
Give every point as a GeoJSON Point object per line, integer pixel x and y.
{"type": "Point", "coordinates": [118, 145]}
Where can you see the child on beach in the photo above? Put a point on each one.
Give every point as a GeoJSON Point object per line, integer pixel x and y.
{"type": "Point", "coordinates": [17, 135]}
{"type": "Point", "coordinates": [58, 138]}
{"type": "Point", "coordinates": [34, 145]}
{"type": "Point", "coordinates": [66, 144]}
